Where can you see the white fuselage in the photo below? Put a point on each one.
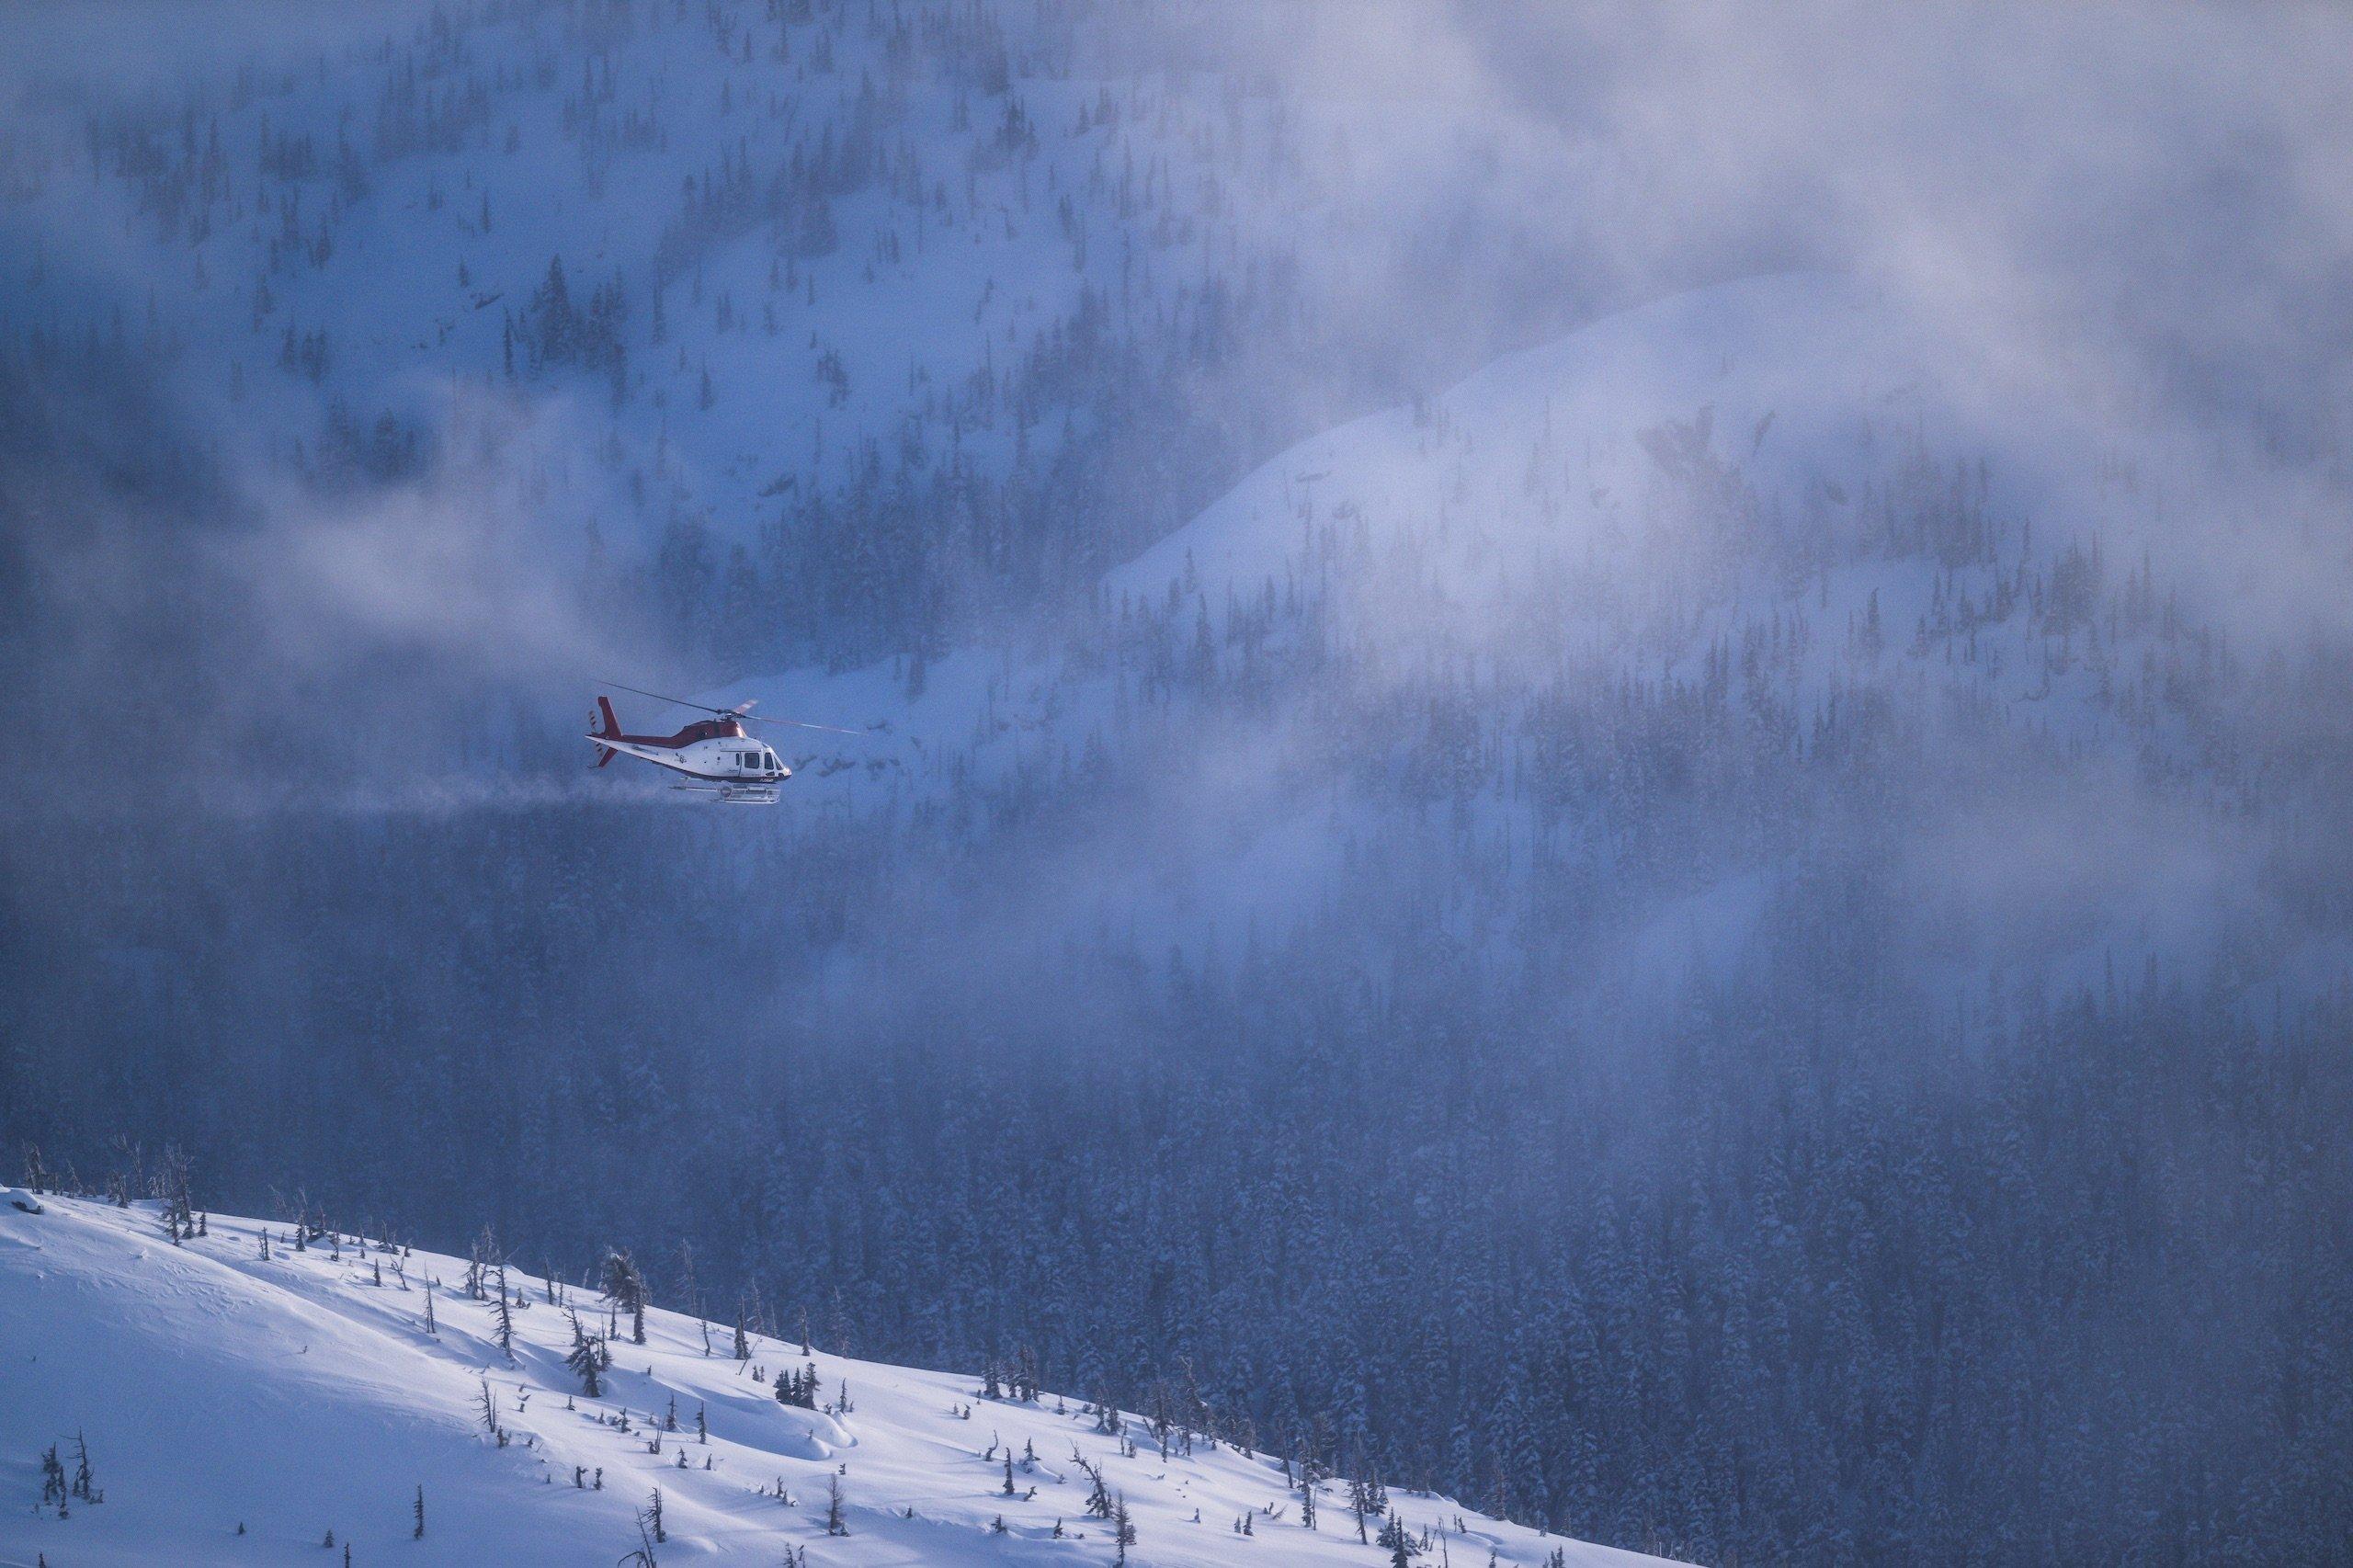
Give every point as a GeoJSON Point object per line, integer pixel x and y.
{"type": "Point", "coordinates": [726, 760]}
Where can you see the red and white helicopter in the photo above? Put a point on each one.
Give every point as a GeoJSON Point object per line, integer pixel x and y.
{"type": "Point", "coordinates": [717, 755]}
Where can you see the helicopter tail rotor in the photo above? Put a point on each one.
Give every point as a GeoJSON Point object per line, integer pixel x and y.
{"type": "Point", "coordinates": [611, 726]}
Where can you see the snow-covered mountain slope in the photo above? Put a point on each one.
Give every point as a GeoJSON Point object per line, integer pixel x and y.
{"type": "Point", "coordinates": [796, 243]}
{"type": "Point", "coordinates": [240, 1401]}
{"type": "Point", "coordinates": [851, 244]}
{"type": "Point", "coordinates": [1789, 515]}
{"type": "Point", "coordinates": [1789, 459]}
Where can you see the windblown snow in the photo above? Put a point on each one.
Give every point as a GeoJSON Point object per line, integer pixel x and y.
{"type": "Point", "coordinates": [243, 1402]}
{"type": "Point", "coordinates": [1556, 497]}
{"type": "Point", "coordinates": [1789, 486]}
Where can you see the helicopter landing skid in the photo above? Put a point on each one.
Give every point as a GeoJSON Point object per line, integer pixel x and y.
{"type": "Point", "coordinates": [737, 794]}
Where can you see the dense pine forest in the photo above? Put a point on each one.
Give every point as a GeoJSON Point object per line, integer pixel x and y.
{"type": "Point", "coordinates": [1734, 958]}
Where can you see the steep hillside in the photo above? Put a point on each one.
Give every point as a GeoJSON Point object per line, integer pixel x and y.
{"type": "Point", "coordinates": [242, 1400]}
{"type": "Point", "coordinates": [1795, 520]}
{"type": "Point", "coordinates": [800, 330]}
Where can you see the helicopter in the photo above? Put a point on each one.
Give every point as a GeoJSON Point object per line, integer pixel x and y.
{"type": "Point", "coordinates": [718, 756]}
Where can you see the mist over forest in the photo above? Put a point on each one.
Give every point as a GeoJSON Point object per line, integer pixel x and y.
{"type": "Point", "coordinates": [1602, 756]}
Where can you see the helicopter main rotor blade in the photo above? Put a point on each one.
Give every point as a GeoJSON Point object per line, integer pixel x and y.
{"type": "Point", "coordinates": [659, 697]}
{"type": "Point", "coordinates": [738, 711]}
{"type": "Point", "coordinates": [804, 724]}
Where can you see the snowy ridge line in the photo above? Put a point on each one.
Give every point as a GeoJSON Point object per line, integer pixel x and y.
{"type": "Point", "coordinates": [253, 1393]}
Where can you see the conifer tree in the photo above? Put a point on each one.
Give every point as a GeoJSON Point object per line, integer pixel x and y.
{"type": "Point", "coordinates": [584, 1361]}
{"type": "Point", "coordinates": [1400, 1543]}
{"type": "Point", "coordinates": [506, 1333]}
{"type": "Point", "coordinates": [835, 1523]}
{"type": "Point", "coordinates": [624, 1287]}
{"type": "Point", "coordinates": [1098, 1495]}
{"type": "Point", "coordinates": [82, 1482]}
